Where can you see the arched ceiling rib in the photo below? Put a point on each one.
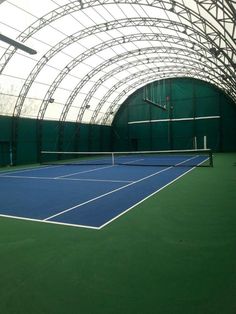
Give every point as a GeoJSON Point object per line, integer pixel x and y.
{"type": "Point", "coordinates": [92, 54]}
{"type": "Point", "coordinates": [82, 34]}
{"type": "Point", "coordinates": [143, 81]}
{"type": "Point", "coordinates": [104, 45]}
{"type": "Point", "coordinates": [173, 61]}
{"type": "Point", "coordinates": [159, 23]}
{"type": "Point", "coordinates": [161, 51]}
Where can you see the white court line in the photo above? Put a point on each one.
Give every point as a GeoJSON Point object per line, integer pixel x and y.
{"type": "Point", "coordinates": [144, 199]}
{"type": "Point", "coordinates": [85, 171]}
{"type": "Point", "coordinates": [67, 179]}
{"type": "Point", "coordinates": [97, 180]}
{"type": "Point", "coordinates": [28, 169]}
{"type": "Point", "coordinates": [113, 191]}
{"type": "Point", "coordinates": [28, 177]}
{"type": "Point", "coordinates": [49, 222]}
{"type": "Point", "coordinates": [108, 222]}
{"type": "Point", "coordinates": [105, 194]}
{"type": "Point", "coordinates": [131, 162]}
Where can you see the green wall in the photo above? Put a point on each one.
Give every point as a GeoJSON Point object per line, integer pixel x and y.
{"type": "Point", "coordinates": [27, 137]}
{"type": "Point", "coordinates": [5, 131]}
{"type": "Point", "coordinates": [185, 99]}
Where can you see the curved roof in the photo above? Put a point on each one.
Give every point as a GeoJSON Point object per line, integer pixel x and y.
{"type": "Point", "coordinates": [91, 55]}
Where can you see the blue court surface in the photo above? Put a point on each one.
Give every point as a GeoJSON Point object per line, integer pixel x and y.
{"type": "Point", "coordinates": [88, 196]}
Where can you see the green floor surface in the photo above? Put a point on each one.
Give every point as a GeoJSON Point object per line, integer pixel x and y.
{"type": "Point", "coordinates": [173, 254]}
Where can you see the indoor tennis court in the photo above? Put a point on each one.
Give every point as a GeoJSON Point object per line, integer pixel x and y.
{"type": "Point", "coordinates": [93, 192]}
{"type": "Point", "coordinates": [117, 157]}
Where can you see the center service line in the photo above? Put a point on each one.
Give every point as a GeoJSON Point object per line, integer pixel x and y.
{"type": "Point", "coordinates": [100, 196]}
{"type": "Point", "coordinates": [113, 191]}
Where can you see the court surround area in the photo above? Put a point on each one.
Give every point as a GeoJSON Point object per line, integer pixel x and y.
{"type": "Point", "coordinates": [117, 157]}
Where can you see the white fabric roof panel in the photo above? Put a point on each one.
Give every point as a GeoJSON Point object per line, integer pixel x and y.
{"type": "Point", "coordinates": [92, 54]}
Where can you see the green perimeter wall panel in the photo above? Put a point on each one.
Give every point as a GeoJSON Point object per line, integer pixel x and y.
{"type": "Point", "coordinates": [5, 141]}
{"type": "Point", "coordinates": [184, 98]}
{"type": "Point", "coordinates": [139, 109]}
{"type": "Point", "coordinates": [182, 135]}
{"type": "Point", "coordinates": [105, 135]}
{"type": "Point", "coordinates": [82, 138]}
{"type": "Point", "coordinates": [5, 128]}
{"type": "Point", "coordinates": [179, 90]}
{"type": "Point", "coordinates": [95, 138]}
{"type": "Point", "coordinates": [50, 135]}
{"type": "Point", "coordinates": [160, 136]}
{"type": "Point", "coordinates": [181, 99]}
{"type": "Point", "coordinates": [189, 98]}
{"type": "Point", "coordinates": [138, 139]}
{"type": "Point", "coordinates": [26, 144]}
{"type": "Point", "coordinates": [182, 108]}
{"type": "Point", "coordinates": [5, 158]}
{"type": "Point", "coordinates": [228, 125]}
{"type": "Point", "coordinates": [92, 137]}
{"type": "Point", "coordinates": [32, 136]}
{"type": "Point", "coordinates": [67, 141]}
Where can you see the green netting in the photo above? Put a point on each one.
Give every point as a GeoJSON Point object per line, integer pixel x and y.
{"type": "Point", "coordinates": [195, 110]}
{"type": "Point", "coordinates": [228, 125]}
{"type": "Point", "coordinates": [161, 136]}
{"type": "Point", "coordinates": [5, 153]}
{"type": "Point", "coordinates": [5, 141]}
{"type": "Point", "coordinates": [27, 137]}
{"type": "Point", "coordinates": [49, 136]}
{"type": "Point", "coordinates": [187, 98]}
{"type": "Point", "coordinates": [26, 145]}
{"type": "Point", "coordinates": [182, 135]}
{"type": "Point", "coordinates": [67, 140]}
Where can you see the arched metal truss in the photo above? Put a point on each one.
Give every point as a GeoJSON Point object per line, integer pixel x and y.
{"type": "Point", "coordinates": [113, 42]}
{"type": "Point", "coordinates": [88, 32]}
{"type": "Point", "coordinates": [138, 52]}
{"type": "Point", "coordinates": [159, 23]}
{"type": "Point", "coordinates": [201, 34]}
{"type": "Point", "coordinates": [182, 10]}
{"type": "Point", "coordinates": [120, 40]}
{"type": "Point", "coordinates": [190, 65]}
{"type": "Point", "coordinates": [147, 79]}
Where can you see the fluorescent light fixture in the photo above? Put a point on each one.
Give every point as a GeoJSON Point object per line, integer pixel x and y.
{"type": "Point", "coordinates": [17, 44]}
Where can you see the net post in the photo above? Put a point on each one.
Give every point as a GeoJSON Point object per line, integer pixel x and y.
{"type": "Point", "coordinates": [211, 158]}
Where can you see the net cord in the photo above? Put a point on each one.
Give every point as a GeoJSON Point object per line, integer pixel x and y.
{"type": "Point", "coordinates": [207, 150]}
{"type": "Point", "coordinates": [113, 154]}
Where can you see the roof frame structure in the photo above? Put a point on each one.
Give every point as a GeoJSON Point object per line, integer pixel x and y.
{"type": "Point", "coordinates": [190, 64]}
{"type": "Point", "coordinates": [142, 82]}
{"type": "Point", "coordinates": [67, 41]}
{"type": "Point", "coordinates": [81, 34]}
{"type": "Point", "coordinates": [205, 27]}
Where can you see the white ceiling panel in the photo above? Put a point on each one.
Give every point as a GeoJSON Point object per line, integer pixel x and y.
{"type": "Point", "coordinates": [93, 55]}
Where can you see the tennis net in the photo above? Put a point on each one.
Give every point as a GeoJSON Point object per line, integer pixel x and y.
{"type": "Point", "coordinates": [175, 158]}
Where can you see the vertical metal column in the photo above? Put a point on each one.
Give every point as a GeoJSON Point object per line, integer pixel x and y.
{"type": "Point", "coordinates": [14, 139]}
{"type": "Point", "coordinates": [170, 113]}
{"type": "Point", "coordinates": [195, 139]}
